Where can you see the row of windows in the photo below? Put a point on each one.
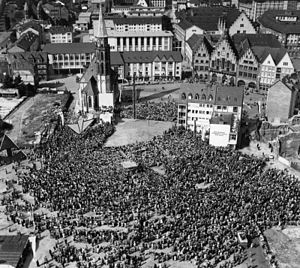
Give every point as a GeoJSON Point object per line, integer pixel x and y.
{"type": "Point", "coordinates": [197, 97]}
{"type": "Point", "coordinates": [249, 75]}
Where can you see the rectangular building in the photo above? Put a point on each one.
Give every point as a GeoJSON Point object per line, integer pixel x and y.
{"type": "Point", "coordinates": [69, 57]}
{"type": "Point", "coordinates": [199, 103]}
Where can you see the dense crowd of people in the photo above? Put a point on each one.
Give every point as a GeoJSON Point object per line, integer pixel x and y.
{"type": "Point", "coordinates": [160, 111]}
{"type": "Point", "coordinates": [127, 216]}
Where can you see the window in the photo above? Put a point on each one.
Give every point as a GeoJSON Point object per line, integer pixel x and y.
{"type": "Point", "coordinates": [210, 97]}
{"type": "Point", "coordinates": [235, 109]}
{"type": "Point", "coordinates": [183, 96]}
{"type": "Point", "coordinates": [241, 25]}
{"type": "Point", "coordinates": [190, 96]}
{"type": "Point", "coordinates": [197, 96]}
{"type": "Point", "coordinates": [203, 97]}
{"type": "Point", "coordinates": [218, 107]}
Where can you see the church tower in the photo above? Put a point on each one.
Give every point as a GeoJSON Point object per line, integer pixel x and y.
{"type": "Point", "coordinates": [102, 55]}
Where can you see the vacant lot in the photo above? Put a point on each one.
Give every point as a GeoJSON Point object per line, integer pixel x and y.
{"type": "Point", "coordinates": [131, 131]}
{"type": "Point", "coordinates": [31, 116]}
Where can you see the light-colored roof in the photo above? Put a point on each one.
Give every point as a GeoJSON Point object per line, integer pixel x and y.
{"type": "Point", "coordinates": [69, 48]}
{"type": "Point", "coordinates": [139, 34]}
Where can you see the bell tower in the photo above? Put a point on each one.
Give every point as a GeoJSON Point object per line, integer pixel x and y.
{"type": "Point", "coordinates": [102, 55]}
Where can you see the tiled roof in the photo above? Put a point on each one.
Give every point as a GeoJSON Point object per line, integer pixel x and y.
{"type": "Point", "coordinates": [33, 56]}
{"type": "Point", "coordinates": [149, 56]}
{"type": "Point", "coordinates": [116, 58]}
{"type": "Point", "coordinates": [222, 119]}
{"type": "Point", "coordinates": [207, 18]}
{"type": "Point", "coordinates": [262, 40]}
{"type": "Point", "coordinates": [30, 24]}
{"type": "Point", "coordinates": [137, 20]}
{"type": "Point", "coordinates": [268, 20]}
{"type": "Point", "coordinates": [60, 30]}
{"type": "Point", "coordinates": [230, 95]}
{"type": "Point", "coordinates": [184, 24]}
{"type": "Point", "coordinates": [221, 94]}
{"type": "Point", "coordinates": [262, 53]}
{"type": "Point", "coordinates": [11, 248]}
{"type": "Point", "coordinates": [26, 40]}
{"type": "Point", "coordinates": [70, 48]}
{"type": "Point", "coordinates": [196, 40]}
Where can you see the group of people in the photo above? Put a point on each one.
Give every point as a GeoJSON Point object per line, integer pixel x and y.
{"type": "Point", "coordinates": [160, 111]}
{"type": "Point", "coordinates": [192, 211]}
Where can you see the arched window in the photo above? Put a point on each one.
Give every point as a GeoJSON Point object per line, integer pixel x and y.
{"type": "Point", "coordinates": [210, 97]}
{"type": "Point", "coordinates": [183, 96]}
{"type": "Point", "coordinates": [190, 96]}
{"type": "Point", "coordinates": [197, 96]}
{"type": "Point", "coordinates": [203, 97]}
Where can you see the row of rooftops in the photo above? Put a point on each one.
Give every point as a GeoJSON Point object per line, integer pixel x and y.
{"type": "Point", "coordinates": [211, 93]}
{"type": "Point", "coordinates": [281, 21]}
{"type": "Point", "coordinates": [261, 45]}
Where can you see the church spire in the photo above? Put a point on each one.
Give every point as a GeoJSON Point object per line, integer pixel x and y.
{"type": "Point", "coordinates": [101, 29]}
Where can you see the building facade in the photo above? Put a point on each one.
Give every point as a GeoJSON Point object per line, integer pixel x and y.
{"type": "Point", "coordinates": [152, 65]}
{"type": "Point", "coordinates": [198, 53]}
{"type": "Point", "coordinates": [223, 64]}
{"type": "Point", "coordinates": [69, 57]}
{"type": "Point", "coordinates": [200, 104]}
{"type": "Point", "coordinates": [59, 34]}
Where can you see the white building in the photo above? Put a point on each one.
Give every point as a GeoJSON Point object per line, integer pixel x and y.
{"type": "Point", "coordinates": [134, 24]}
{"type": "Point", "coordinates": [199, 103]}
{"type": "Point", "coordinates": [83, 22]}
{"type": "Point", "coordinates": [153, 65]}
{"type": "Point", "coordinates": [59, 34]}
{"type": "Point", "coordinates": [275, 63]}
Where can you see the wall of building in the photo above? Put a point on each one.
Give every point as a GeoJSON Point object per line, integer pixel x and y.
{"type": "Point", "coordinates": [277, 109]}
{"type": "Point", "coordinates": [219, 135]}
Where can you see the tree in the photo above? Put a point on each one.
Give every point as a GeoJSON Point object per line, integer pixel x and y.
{"type": "Point", "coordinates": [17, 81]}
{"type": "Point", "coordinates": [4, 126]}
{"type": "Point", "coordinates": [8, 81]}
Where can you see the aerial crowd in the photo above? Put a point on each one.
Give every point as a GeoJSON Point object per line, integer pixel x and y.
{"type": "Point", "coordinates": [189, 211]}
{"type": "Point", "coordinates": [160, 111]}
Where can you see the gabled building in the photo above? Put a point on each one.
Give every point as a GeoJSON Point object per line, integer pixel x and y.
{"type": "Point", "coordinates": [60, 34]}
{"type": "Point", "coordinates": [285, 25]}
{"type": "Point", "coordinates": [248, 73]}
{"type": "Point", "coordinates": [211, 21]}
{"type": "Point", "coordinates": [198, 53]}
{"type": "Point", "coordinates": [38, 59]}
{"type": "Point", "coordinates": [224, 61]}
{"type": "Point", "coordinates": [29, 41]}
{"type": "Point", "coordinates": [275, 64]}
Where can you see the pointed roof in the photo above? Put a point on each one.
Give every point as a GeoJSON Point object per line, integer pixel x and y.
{"type": "Point", "coordinates": [7, 143]}
{"type": "Point", "coordinates": [100, 30]}
{"type": "Point", "coordinates": [196, 40]}
{"type": "Point", "coordinates": [81, 125]}
{"type": "Point", "coordinates": [262, 53]}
